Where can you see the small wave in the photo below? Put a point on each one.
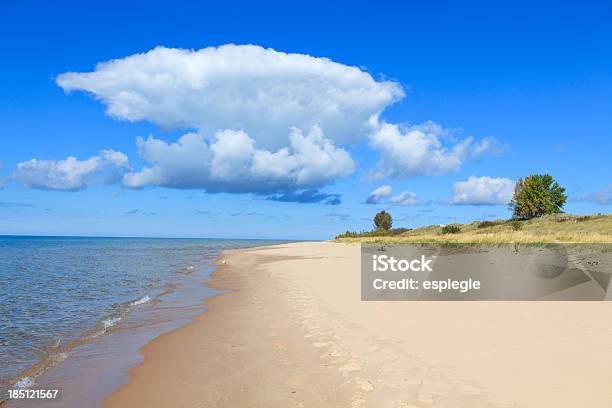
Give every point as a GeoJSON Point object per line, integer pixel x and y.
{"type": "Point", "coordinates": [59, 357]}
{"type": "Point", "coordinates": [141, 301]}
{"type": "Point", "coordinates": [25, 382]}
{"type": "Point", "coordinates": [187, 270]}
{"type": "Point", "coordinates": [50, 360]}
{"type": "Point", "coordinates": [110, 322]}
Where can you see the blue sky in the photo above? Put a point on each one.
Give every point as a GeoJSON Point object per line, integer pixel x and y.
{"type": "Point", "coordinates": [529, 86]}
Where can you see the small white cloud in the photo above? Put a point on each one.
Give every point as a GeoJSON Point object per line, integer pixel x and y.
{"type": "Point", "coordinates": [483, 191]}
{"type": "Point", "coordinates": [383, 193]}
{"type": "Point", "coordinates": [405, 198]}
{"type": "Point", "coordinates": [421, 150]}
{"type": "Point", "coordinates": [378, 194]}
{"type": "Point", "coordinates": [72, 174]}
{"type": "Point", "coordinates": [232, 163]}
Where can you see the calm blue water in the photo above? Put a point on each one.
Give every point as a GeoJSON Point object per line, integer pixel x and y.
{"type": "Point", "coordinates": [56, 292]}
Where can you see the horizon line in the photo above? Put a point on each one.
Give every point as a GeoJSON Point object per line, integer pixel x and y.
{"type": "Point", "coordinates": [144, 237]}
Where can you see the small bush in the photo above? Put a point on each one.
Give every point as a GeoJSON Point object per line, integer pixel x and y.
{"type": "Point", "coordinates": [348, 234]}
{"type": "Point", "coordinates": [516, 224]}
{"type": "Point", "coordinates": [399, 231]}
{"type": "Point", "coordinates": [373, 233]}
{"type": "Point", "coordinates": [451, 229]}
{"type": "Point", "coordinates": [573, 218]}
{"type": "Point", "coordinates": [487, 224]}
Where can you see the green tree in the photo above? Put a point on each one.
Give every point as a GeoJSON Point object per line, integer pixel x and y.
{"type": "Point", "coordinates": [537, 195]}
{"type": "Point", "coordinates": [383, 221]}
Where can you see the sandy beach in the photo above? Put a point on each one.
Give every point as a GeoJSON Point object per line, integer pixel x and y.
{"type": "Point", "coordinates": [293, 332]}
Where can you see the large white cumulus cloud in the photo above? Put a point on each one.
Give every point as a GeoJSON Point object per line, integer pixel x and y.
{"type": "Point", "coordinates": [261, 91]}
{"type": "Point", "coordinates": [231, 162]}
{"type": "Point", "coordinates": [255, 120]}
{"type": "Point", "coordinates": [72, 174]}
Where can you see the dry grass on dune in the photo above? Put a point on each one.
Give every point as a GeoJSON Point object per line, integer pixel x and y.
{"type": "Point", "coordinates": [555, 228]}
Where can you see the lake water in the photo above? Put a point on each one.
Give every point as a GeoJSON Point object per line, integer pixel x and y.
{"type": "Point", "coordinates": [61, 296]}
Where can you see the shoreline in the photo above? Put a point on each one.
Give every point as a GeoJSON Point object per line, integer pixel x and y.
{"type": "Point", "coordinates": [218, 281]}
{"type": "Point", "coordinates": [338, 386]}
{"type": "Point", "coordinates": [293, 332]}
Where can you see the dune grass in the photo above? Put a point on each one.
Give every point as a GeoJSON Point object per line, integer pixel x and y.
{"type": "Point", "coordinates": [557, 228]}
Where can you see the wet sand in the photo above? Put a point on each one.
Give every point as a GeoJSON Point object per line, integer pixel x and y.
{"type": "Point", "coordinates": [294, 333]}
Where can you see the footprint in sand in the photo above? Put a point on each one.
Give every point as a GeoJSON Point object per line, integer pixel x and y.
{"type": "Point", "coordinates": [365, 385]}
{"type": "Point", "coordinates": [413, 382]}
{"type": "Point", "coordinates": [351, 366]}
{"type": "Point", "coordinates": [357, 402]}
{"type": "Point", "coordinates": [406, 405]}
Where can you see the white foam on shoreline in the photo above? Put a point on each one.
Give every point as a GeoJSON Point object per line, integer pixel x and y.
{"type": "Point", "coordinates": [58, 358]}
{"type": "Point", "coordinates": [110, 322]}
{"type": "Point", "coordinates": [141, 301]}
{"type": "Point", "coordinates": [25, 382]}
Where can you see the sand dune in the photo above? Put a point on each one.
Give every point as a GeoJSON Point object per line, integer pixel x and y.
{"type": "Point", "coordinates": [295, 334]}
